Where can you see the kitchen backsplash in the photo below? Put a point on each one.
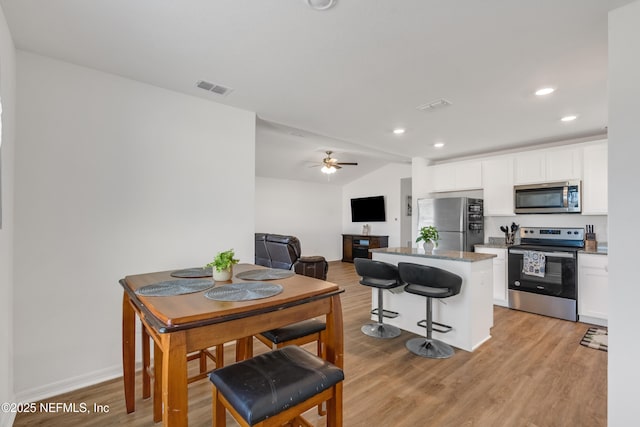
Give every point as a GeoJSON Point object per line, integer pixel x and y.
{"type": "Point", "coordinates": [492, 223]}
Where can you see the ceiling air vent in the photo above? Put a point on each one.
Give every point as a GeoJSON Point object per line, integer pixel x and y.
{"type": "Point", "coordinates": [435, 105]}
{"type": "Point", "coordinates": [212, 87]}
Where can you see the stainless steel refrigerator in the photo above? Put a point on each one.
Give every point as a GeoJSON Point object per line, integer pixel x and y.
{"type": "Point", "coordinates": [459, 221]}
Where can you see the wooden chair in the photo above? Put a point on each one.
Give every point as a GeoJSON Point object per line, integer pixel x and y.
{"type": "Point", "coordinates": [148, 373]}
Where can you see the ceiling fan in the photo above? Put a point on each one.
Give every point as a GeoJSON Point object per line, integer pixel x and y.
{"type": "Point", "coordinates": [331, 165]}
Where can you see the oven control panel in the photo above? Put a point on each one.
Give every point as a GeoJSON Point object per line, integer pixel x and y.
{"type": "Point", "coordinates": [557, 233]}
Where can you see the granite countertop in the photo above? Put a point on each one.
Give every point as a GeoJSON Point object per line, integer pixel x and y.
{"type": "Point", "coordinates": [601, 250]}
{"type": "Point", "coordinates": [493, 245]}
{"type": "Point", "coordinates": [436, 254]}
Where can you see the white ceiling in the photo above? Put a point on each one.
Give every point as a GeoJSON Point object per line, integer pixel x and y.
{"type": "Point", "coordinates": [344, 78]}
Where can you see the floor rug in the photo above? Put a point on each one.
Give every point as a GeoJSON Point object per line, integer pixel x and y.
{"type": "Point", "coordinates": [596, 338]}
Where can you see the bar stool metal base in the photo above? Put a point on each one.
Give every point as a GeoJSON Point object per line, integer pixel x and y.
{"type": "Point", "coordinates": [431, 348]}
{"type": "Point", "coordinates": [380, 330]}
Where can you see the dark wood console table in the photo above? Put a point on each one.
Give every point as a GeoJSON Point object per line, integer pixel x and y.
{"type": "Point", "coordinates": [357, 245]}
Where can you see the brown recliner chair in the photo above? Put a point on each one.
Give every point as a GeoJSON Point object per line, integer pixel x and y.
{"type": "Point", "coordinates": [279, 251]}
{"type": "Point", "coordinates": [283, 251]}
{"type": "Point", "coordinates": [261, 253]}
{"type": "Point", "coordinates": [312, 266]}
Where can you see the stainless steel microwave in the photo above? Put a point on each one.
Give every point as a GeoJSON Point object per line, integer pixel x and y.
{"type": "Point", "coordinates": [550, 197]}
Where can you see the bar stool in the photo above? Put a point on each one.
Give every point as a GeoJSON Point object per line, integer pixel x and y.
{"type": "Point", "coordinates": [430, 282]}
{"type": "Point", "coordinates": [274, 388]}
{"type": "Point", "coordinates": [378, 274]}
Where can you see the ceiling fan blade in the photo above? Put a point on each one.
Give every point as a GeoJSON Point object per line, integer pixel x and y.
{"type": "Point", "coordinates": [337, 166]}
{"type": "Point", "coordinates": [348, 164]}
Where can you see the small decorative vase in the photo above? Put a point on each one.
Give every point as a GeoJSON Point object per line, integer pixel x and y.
{"type": "Point", "coordinates": [221, 276]}
{"type": "Point", "coordinates": [428, 246]}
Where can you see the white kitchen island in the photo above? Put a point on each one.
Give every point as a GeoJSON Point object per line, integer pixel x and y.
{"type": "Point", "coordinates": [470, 313]}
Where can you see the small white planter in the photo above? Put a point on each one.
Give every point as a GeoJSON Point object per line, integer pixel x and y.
{"type": "Point", "coordinates": [428, 246]}
{"type": "Point", "coordinates": [221, 276]}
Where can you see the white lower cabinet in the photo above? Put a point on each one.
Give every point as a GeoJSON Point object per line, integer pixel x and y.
{"type": "Point", "coordinates": [500, 296]}
{"type": "Point", "coordinates": [593, 288]}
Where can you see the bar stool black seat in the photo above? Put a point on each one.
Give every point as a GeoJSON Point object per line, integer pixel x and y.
{"type": "Point", "coordinates": [430, 282]}
{"type": "Point", "coordinates": [380, 275]}
{"type": "Point", "coordinates": [275, 387]}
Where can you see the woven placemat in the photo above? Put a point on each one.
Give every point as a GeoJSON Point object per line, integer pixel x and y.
{"type": "Point", "coordinates": [265, 274]}
{"type": "Point", "coordinates": [192, 273]}
{"type": "Point", "coordinates": [174, 287]}
{"type": "Point", "coordinates": [597, 338]}
{"type": "Point", "coordinates": [244, 291]}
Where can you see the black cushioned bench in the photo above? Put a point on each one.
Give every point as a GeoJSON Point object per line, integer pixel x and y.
{"type": "Point", "coordinates": [275, 387]}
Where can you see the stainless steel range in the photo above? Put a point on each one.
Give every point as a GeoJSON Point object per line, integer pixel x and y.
{"type": "Point", "coordinates": [543, 274]}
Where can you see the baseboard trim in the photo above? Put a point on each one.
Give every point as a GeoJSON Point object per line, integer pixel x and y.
{"type": "Point", "coordinates": [593, 321]}
{"type": "Point", "coordinates": [70, 384]}
{"type": "Point", "coordinates": [7, 419]}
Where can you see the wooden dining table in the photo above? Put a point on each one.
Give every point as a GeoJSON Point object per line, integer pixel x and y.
{"type": "Point", "coordinates": [183, 324]}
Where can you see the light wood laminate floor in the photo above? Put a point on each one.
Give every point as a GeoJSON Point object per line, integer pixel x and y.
{"type": "Point", "coordinates": [533, 373]}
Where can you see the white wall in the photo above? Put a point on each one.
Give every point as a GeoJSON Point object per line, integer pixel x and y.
{"type": "Point", "coordinates": [624, 205]}
{"type": "Point", "coordinates": [311, 212]}
{"type": "Point", "coordinates": [113, 177]}
{"type": "Point", "coordinates": [383, 182]}
{"type": "Point", "coordinates": [7, 95]}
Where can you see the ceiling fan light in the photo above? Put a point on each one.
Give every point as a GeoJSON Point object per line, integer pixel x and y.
{"type": "Point", "coordinates": [328, 170]}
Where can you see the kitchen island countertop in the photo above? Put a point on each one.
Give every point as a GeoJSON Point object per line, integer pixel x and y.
{"type": "Point", "coordinates": [436, 254]}
{"type": "Point", "coordinates": [470, 312]}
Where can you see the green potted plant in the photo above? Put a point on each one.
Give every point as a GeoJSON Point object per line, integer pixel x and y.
{"type": "Point", "coordinates": [222, 264]}
{"type": "Point", "coordinates": [428, 235]}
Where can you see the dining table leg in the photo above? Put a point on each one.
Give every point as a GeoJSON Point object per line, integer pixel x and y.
{"type": "Point", "coordinates": [244, 348]}
{"type": "Point", "coordinates": [174, 379]}
{"type": "Point", "coordinates": [157, 383]}
{"type": "Point", "coordinates": [146, 364]}
{"type": "Point", "coordinates": [335, 355]}
{"type": "Point", "coordinates": [129, 353]}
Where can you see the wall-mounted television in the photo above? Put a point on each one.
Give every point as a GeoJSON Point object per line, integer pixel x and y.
{"type": "Point", "coordinates": [368, 209]}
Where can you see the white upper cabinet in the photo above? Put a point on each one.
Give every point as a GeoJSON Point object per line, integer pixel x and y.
{"type": "Point", "coordinates": [548, 165]}
{"type": "Point", "coordinates": [564, 164]}
{"type": "Point", "coordinates": [457, 176]}
{"type": "Point", "coordinates": [497, 183]}
{"type": "Point", "coordinates": [530, 167]}
{"type": "Point", "coordinates": [496, 175]}
{"type": "Point", "coordinates": [594, 182]}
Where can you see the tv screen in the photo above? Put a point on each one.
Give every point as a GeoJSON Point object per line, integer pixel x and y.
{"type": "Point", "coordinates": [368, 209]}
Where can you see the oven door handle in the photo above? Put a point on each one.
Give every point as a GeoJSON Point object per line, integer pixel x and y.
{"type": "Point", "coordinates": [547, 254]}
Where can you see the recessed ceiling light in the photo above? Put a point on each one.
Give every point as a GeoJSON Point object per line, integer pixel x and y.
{"type": "Point", "coordinates": [568, 118]}
{"type": "Point", "coordinates": [438, 144]}
{"type": "Point", "coordinates": [398, 131]}
{"type": "Point", "coordinates": [321, 4]}
{"type": "Point", "coordinates": [545, 91]}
